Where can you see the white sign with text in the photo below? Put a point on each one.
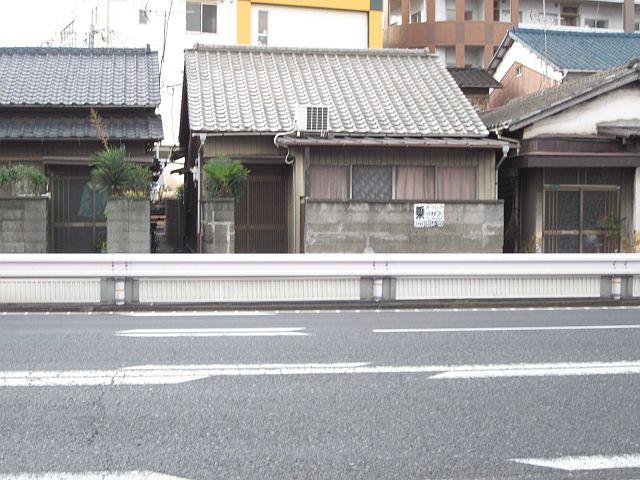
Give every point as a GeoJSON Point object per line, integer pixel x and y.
{"type": "Point", "coordinates": [428, 215]}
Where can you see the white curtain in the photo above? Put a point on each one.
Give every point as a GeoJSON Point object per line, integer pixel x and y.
{"type": "Point", "coordinates": [329, 183]}
{"type": "Point", "coordinates": [415, 183]}
{"type": "Point", "coordinates": [457, 183]}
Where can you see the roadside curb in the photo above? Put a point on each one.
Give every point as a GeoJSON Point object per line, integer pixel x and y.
{"type": "Point", "coordinates": [305, 306]}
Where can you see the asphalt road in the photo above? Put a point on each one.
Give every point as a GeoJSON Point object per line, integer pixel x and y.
{"type": "Point", "coordinates": [429, 394]}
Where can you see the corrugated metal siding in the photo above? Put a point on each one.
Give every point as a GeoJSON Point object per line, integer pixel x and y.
{"type": "Point", "coordinates": [524, 287]}
{"type": "Point", "coordinates": [241, 290]}
{"type": "Point", "coordinates": [50, 290]}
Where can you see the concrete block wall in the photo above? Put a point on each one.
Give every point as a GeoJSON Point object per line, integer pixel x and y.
{"type": "Point", "coordinates": [218, 225]}
{"type": "Point", "coordinates": [379, 227]}
{"type": "Point", "coordinates": [23, 225]}
{"type": "Point", "coordinates": [128, 225]}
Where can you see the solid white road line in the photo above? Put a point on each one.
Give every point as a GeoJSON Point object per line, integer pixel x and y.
{"type": "Point", "coordinates": [506, 329]}
{"type": "Point", "coordinates": [174, 374]}
{"type": "Point", "coordinates": [213, 332]}
{"type": "Point", "coordinates": [199, 314]}
{"type": "Point", "coordinates": [594, 462]}
{"type": "Point", "coordinates": [135, 475]}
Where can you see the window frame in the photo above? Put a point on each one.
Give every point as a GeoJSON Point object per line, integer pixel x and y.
{"type": "Point", "coordinates": [437, 194]}
{"type": "Point", "coordinates": [201, 4]}
{"type": "Point", "coordinates": [263, 37]}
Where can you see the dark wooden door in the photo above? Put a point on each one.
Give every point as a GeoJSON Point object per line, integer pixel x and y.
{"type": "Point", "coordinates": [261, 213]}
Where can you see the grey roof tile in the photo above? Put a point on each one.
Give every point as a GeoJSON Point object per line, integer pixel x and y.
{"type": "Point", "coordinates": [522, 110]}
{"type": "Point", "coordinates": [368, 92]}
{"type": "Point", "coordinates": [471, 77]}
{"type": "Point", "coordinates": [579, 50]}
{"type": "Point", "coordinates": [120, 77]}
{"type": "Point", "coordinates": [43, 125]}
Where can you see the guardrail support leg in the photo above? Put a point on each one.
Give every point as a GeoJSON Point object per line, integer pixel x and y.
{"type": "Point", "coordinates": [616, 287]}
{"type": "Point", "coordinates": [119, 292]}
{"type": "Point", "coordinates": [378, 291]}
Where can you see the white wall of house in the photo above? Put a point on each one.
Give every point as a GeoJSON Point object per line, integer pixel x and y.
{"type": "Point", "coordinates": [520, 54]}
{"type": "Point", "coordinates": [621, 104]}
{"type": "Point", "coordinates": [311, 27]}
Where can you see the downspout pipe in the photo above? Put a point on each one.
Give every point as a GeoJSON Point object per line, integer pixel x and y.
{"type": "Point", "coordinates": [505, 153]}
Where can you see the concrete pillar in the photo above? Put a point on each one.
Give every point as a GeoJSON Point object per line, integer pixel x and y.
{"type": "Point", "coordinates": [460, 11]}
{"type": "Point", "coordinates": [405, 12]}
{"type": "Point", "coordinates": [515, 12]}
{"type": "Point", "coordinates": [23, 225]}
{"type": "Point", "coordinates": [128, 225]}
{"type": "Point", "coordinates": [460, 56]}
{"type": "Point", "coordinates": [218, 225]}
{"type": "Point", "coordinates": [629, 16]}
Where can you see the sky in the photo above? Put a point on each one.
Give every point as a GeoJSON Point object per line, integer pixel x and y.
{"type": "Point", "coordinates": [33, 22]}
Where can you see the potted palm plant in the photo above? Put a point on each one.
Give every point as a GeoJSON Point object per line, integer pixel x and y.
{"type": "Point", "coordinates": [23, 210]}
{"type": "Point", "coordinates": [225, 181]}
{"type": "Point", "coordinates": [128, 207]}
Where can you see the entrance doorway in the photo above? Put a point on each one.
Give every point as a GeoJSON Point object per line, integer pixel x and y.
{"type": "Point", "coordinates": [77, 211]}
{"type": "Point", "coordinates": [261, 214]}
{"type": "Point", "coordinates": [581, 219]}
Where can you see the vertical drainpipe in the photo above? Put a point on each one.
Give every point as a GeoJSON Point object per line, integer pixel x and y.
{"type": "Point", "coordinates": [203, 139]}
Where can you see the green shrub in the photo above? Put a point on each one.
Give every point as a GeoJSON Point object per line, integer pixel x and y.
{"type": "Point", "coordinates": [118, 176]}
{"type": "Point", "coordinates": [21, 179]}
{"type": "Point", "coordinates": [111, 172]}
{"type": "Point", "coordinates": [139, 184]}
{"type": "Point", "coordinates": [225, 178]}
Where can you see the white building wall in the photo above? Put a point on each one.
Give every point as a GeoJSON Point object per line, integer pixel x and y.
{"type": "Point", "coordinates": [621, 104]}
{"type": "Point", "coordinates": [532, 13]}
{"type": "Point", "coordinates": [312, 27]}
{"type": "Point", "coordinates": [118, 26]}
{"type": "Point", "coordinates": [518, 53]}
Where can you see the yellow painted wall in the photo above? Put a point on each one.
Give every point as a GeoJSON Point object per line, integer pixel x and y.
{"type": "Point", "coordinates": [375, 17]}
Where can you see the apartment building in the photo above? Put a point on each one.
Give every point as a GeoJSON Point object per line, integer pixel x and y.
{"type": "Point", "coordinates": [468, 32]}
{"type": "Point", "coordinates": [171, 26]}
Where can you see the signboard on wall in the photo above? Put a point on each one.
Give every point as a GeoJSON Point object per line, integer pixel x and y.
{"type": "Point", "coordinates": [428, 215]}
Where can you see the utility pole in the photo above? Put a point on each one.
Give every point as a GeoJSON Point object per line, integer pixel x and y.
{"type": "Point", "coordinates": [92, 33]}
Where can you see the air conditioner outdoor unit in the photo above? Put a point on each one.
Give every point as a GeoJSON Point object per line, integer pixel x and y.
{"type": "Point", "coordinates": [312, 118]}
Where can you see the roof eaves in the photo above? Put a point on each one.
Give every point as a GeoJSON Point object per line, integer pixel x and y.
{"type": "Point", "coordinates": [499, 55]}
{"type": "Point", "coordinates": [576, 99]}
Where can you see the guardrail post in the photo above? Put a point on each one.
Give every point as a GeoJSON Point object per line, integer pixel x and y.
{"type": "Point", "coordinates": [119, 292]}
{"type": "Point", "coordinates": [616, 287]}
{"type": "Point", "coordinates": [378, 291]}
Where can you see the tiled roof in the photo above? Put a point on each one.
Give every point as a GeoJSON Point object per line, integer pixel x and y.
{"type": "Point", "coordinates": [43, 125]}
{"type": "Point", "coordinates": [79, 77]}
{"type": "Point", "coordinates": [522, 111]}
{"type": "Point", "coordinates": [470, 77]}
{"type": "Point", "coordinates": [576, 50]}
{"type": "Point", "coordinates": [368, 92]}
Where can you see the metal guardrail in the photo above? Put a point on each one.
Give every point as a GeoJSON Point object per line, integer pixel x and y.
{"type": "Point", "coordinates": [137, 278]}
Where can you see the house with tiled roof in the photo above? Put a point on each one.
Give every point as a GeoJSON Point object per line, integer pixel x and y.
{"type": "Point", "coordinates": [476, 83]}
{"type": "Point", "coordinates": [531, 59]}
{"type": "Point", "coordinates": [349, 151]}
{"type": "Point", "coordinates": [46, 96]}
{"type": "Point", "coordinates": [571, 185]}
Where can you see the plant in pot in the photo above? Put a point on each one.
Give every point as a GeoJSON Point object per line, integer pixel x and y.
{"type": "Point", "coordinates": [225, 182]}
